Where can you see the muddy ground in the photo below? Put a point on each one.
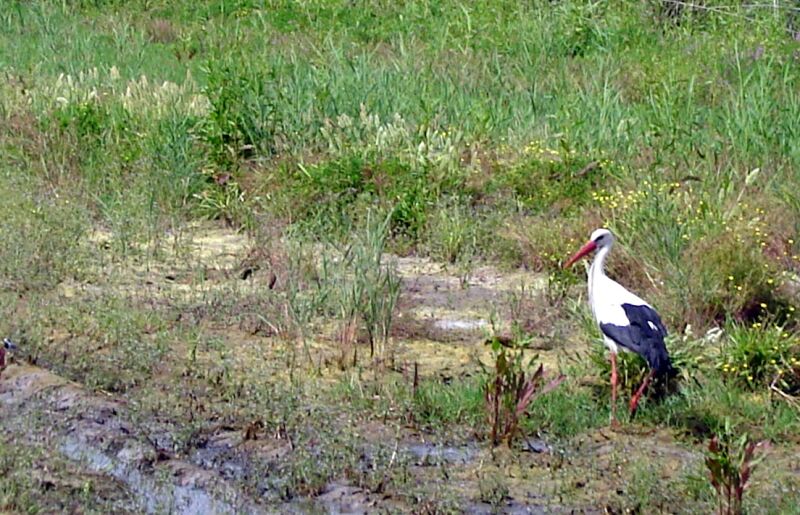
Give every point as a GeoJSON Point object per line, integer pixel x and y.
{"type": "Point", "coordinates": [97, 447]}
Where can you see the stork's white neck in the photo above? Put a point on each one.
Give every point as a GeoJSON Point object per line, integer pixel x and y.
{"type": "Point", "coordinates": [597, 271]}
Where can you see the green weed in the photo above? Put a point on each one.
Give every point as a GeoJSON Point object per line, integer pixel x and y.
{"type": "Point", "coordinates": [730, 462]}
{"type": "Point", "coordinates": [510, 388]}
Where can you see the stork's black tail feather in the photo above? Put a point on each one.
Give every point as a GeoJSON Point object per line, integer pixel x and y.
{"type": "Point", "coordinates": [658, 360]}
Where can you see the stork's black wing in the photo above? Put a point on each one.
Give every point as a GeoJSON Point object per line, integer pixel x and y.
{"type": "Point", "coordinates": [643, 335]}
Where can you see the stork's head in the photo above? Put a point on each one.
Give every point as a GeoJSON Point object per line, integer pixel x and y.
{"type": "Point", "coordinates": [600, 238]}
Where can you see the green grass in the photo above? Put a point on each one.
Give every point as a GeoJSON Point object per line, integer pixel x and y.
{"type": "Point", "coordinates": [583, 80]}
{"type": "Point", "coordinates": [489, 134]}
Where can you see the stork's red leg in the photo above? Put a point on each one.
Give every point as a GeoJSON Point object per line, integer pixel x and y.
{"type": "Point", "coordinates": [640, 391]}
{"type": "Point", "coordinates": [613, 387]}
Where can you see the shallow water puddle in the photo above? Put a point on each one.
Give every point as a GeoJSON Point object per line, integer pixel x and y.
{"type": "Point", "coordinates": [456, 309]}
{"type": "Point", "coordinates": [461, 324]}
{"type": "Point", "coordinates": [432, 454]}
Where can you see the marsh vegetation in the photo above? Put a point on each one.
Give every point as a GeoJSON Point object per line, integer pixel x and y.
{"type": "Point", "coordinates": [260, 245]}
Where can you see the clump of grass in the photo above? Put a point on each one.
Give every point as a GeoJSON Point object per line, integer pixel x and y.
{"type": "Point", "coordinates": [363, 287]}
{"type": "Point", "coordinates": [316, 463]}
{"type": "Point", "coordinates": [430, 404]}
{"type": "Point", "coordinates": [511, 387]}
{"type": "Point", "coordinates": [225, 201]}
{"type": "Point", "coordinates": [382, 286]}
{"type": "Point", "coordinates": [569, 410]}
{"type": "Point", "coordinates": [551, 179]}
{"type": "Point", "coordinates": [335, 195]}
{"type": "Point", "coordinates": [176, 168]}
{"type": "Point", "coordinates": [242, 122]}
{"type": "Point", "coordinates": [760, 355]}
{"type": "Point", "coordinates": [493, 489]}
{"type": "Point", "coordinates": [730, 462]}
{"type": "Point", "coordinates": [304, 299]}
{"type": "Point", "coordinates": [453, 234]}
{"type": "Point", "coordinates": [545, 241]}
{"type": "Point", "coordinates": [437, 406]}
{"type": "Point", "coordinates": [36, 480]}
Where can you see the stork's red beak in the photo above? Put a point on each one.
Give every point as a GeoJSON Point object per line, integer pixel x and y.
{"type": "Point", "coordinates": [589, 247]}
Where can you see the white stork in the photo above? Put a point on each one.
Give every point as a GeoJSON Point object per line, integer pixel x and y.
{"type": "Point", "coordinates": [627, 321]}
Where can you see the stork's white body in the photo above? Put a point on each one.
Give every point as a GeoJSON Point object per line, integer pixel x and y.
{"type": "Point", "coordinates": [606, 297]}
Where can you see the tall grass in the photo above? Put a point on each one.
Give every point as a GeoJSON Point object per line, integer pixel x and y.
{"type": "Point", "coordinates": [315, 112]}
{"type": "Point", "coordinates": [647, 119]}
{"type": "Point", "coordinates": [364, 289]}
